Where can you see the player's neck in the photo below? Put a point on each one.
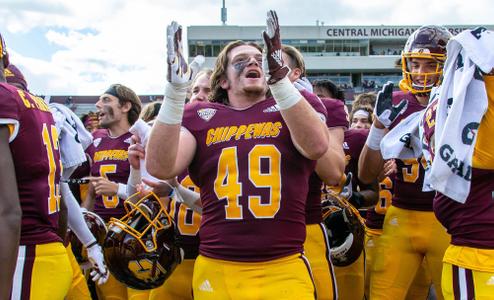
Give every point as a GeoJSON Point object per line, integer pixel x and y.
{"type": "Point", "coordinates": [245, 100]}
{"type": "Point", "coordinates": [423, 99]}
{"type": "Point", "coordinates": [120, 128]}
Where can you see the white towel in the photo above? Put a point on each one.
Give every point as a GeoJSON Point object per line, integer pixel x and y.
{"type": "Point", "coordinates": [403, 140]}
{"type": "Point", "coordinates": [142, 130]}
{"type": "Point", "coordinates": [462, 103]}
{"type": "Point", "coordinates": [73, 137]}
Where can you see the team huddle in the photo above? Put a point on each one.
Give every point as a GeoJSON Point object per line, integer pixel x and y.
{"type": "Point", "coordinates": [251, 182]}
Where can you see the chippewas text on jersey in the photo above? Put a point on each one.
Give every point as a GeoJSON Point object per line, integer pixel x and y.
{"type": "Point", "coordinates": [248, 131]}
{"type": "Point", "coordinates": [111, 155]}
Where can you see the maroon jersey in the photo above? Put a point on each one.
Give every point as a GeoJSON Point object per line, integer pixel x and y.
{"type": "Point", "coordinates": [354, 141]}
{"type": "Point", "coordinates": [410, 172]}
{"type": "Point", "coordinates": [375, 216]}
{"type": "Point", "coordinates": [253, 180]}
{"type": "Point", "coordinates": [337, 117]}
{"type": "Point", "coordinates": [353, 145]}
{"type": "Point", "coordinates": [187, 221]}
{"type": "Point", "coordinates": [470, 224]}
{"type": "Point", "coordinates": [109, 159]}
{"type": "Point", "coordinates": [34, 147]}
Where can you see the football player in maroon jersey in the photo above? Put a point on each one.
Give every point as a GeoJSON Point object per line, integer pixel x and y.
{"type": "Point", "coordinates": [251, 156]}
{"type": "Point", "coordinates": [119, 107]}
{"type": "Point", "coordinates": [30, 183]}
{"type": "Point", "coordinates": [410, 231]}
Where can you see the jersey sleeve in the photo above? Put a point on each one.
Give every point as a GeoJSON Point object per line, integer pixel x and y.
{"type": "Point", "coordinates": [337, 114]}
{"type": "Point", "coordinates": [316, 103]}
{"type": "Point", "coordinates": [9, 112]}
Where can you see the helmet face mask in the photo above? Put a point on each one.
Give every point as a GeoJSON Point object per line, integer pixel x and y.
{"type": "Point", "coordinates": [428, 45]}
{"type": "Point", "coordinates": [140, 248]}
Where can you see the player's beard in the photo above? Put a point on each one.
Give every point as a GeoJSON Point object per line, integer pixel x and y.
{"type": "Point", "coordinates": [255, 91]}
{"type": "Point", "coordinates": [109, 118]}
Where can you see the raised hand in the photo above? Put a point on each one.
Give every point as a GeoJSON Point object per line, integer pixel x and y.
{"type": "Point", "coordinates": [272, 62]}
{"type": "Point", "coordinates": [384, 110]}
{"type": "Point", "coordinates": [179, 72]}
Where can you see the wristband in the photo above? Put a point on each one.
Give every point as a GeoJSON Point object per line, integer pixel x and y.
{"type": "Point", "coordinates": [285, 93]}
{"type": "Point", "coordinates": [172, 109]}
{"type": "Point", "coordinates": [91, 244]}
{"type": "Point", "coordinates": [374, 138]}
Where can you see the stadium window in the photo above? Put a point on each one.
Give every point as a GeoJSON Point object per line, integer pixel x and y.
{"type": "Point", "coordinates": [208, 51]}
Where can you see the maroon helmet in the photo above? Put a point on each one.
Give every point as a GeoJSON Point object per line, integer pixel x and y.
{"type": "Point", "coordinates": [426, 42]}
{"type": "Point", "coordinates": [140, 248]}
{"type": "Point", "coordinates": [97, 227]}
{"type": "Point", "coordinates": [4, 55]}
{"type": "Point", "coordinates": [15, 77]}
{"type": "Point", "coordinates": [345, 230]}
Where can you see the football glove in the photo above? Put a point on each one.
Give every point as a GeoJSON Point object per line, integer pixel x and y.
{"type": "Point", "coordinates": [384, 110]}
{"type": "Point", "coordinates": [272, 61]}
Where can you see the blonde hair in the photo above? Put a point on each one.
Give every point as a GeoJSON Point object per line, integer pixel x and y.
{"type": "Point", "coordinates": [365, 99]}
{"type": "Point", "coordinates": [296, 58]}
{"type": "Point", "coordinates": [150, 111]}
{"type": "Point", "coordinates": [218, 94]}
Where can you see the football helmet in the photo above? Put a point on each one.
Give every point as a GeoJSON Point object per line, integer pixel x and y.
{"type": "Point", "coordinates": [140, 248]}
{"type": "Point", "coordinates": [345, 230]}
{"type": "Point", "coordinates": [4, 56]}
{"type": "Point", "coordinates": [426, 42]}
{"type": "Point", "coordinates": [97, 227]}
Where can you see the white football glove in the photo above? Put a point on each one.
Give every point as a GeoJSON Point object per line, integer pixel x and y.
{"type": "Point", "coordinates": [303, 84]}
{"type": "Point", "coordinates": [384, 110]}
{"type": "Point", "coordinates": [179, 72]}
{"type": "Point", "coordinates": [99, 272]}
{"type": "Point", "coordinates": [272, 61]}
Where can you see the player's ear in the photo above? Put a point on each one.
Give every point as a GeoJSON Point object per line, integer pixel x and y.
{"type": "Point", "coordinates": [224, 83]}
{"type": "Point", "coordinates": [127, 106]}
{"type": "Point", "coordinates": [296, 72]}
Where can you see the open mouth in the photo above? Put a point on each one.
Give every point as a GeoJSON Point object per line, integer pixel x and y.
{"type": "Point", "coordinates": [253, 74]}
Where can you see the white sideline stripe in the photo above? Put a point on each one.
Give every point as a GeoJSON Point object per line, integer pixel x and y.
{"type": "Point", "coordinates": [19, 270]}
{"type": "Point", "coordinates": [462, 282]}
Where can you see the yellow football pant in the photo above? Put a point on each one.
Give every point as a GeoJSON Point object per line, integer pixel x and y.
{"type": "Point", "coordinates": [179, 285]}
{"type": "Point", "coordinates": [282, 279]}
{"type": "Point", "coordinates": [78, 290]}
{"type": "Point", "coordinates": [316, 249]}
{"type": "Point", "coordinates": [43, 272]}
{"type": "Point", "coordinates": [409, 238]}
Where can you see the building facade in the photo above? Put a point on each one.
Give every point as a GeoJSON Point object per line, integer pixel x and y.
{"type": "Point", "coordinates": [357, 58]}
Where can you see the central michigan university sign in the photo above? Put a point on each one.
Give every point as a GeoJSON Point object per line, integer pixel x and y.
{"type": "Point", "coordinates": [386, 32]}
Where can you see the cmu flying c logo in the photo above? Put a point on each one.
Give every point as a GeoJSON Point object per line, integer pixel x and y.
{"type": "Point", "coordinates": [468, 133]}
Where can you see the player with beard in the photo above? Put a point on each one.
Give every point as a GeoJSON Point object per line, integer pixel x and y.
{"type": "Point", "coordinates": [118, 109]}
{"type": "Point", "coordinates": [251, 156]}
{"type": "Point", "coordinates": [411, 233]}
{"type": "Point", "coordinates": [30, 197]}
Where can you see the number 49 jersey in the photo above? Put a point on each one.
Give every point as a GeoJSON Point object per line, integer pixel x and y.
{"type": "Point", "coordinates": [34, 147]}
{"type": "Point", "coordinates": [253, 180]}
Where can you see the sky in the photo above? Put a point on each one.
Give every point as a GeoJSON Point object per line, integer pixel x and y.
{"type": "Point", "coordinates": [81, 47]}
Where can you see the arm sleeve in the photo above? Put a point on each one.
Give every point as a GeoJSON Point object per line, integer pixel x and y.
{"type": "Point", "coordinates": [74, 216]}
{"type": "Point", "coordinates": [189, 198]}
{"type": "Point", "coordinates": [133, 181]}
